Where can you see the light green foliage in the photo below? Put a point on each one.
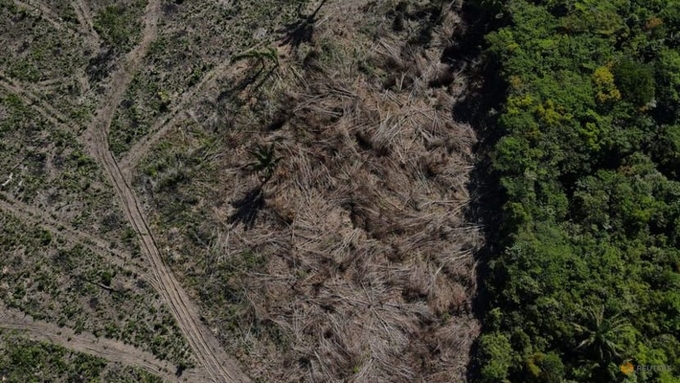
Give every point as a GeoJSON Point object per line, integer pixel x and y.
{"type": "Point", "coordinates": [27, 361]}
{"type": "Point", "coordinates": [264, 161]}
{"type": "Point", "coordinates": [545, 368]}
{"type": "Point", "coordinates": [497, 349]}
{"type": "Point", "coordinates": [260, 55]}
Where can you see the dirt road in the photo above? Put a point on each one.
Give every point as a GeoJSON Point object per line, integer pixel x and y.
{"type": "Point", "coordinates": [87, 343]}
{"type": "Point", "coordinates": [213, 363]}
{"type": "Point", "coordinates": [217, 364]}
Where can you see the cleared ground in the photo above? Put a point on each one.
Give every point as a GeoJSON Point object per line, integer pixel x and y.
{"type": "Point", "coordinates": [261, 190]}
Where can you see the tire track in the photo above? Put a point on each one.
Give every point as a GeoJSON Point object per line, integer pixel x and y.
{"type": "Point", "coordinates": [34, 101]}
{"type": "Point", "coordinates": [85, 19]}
{"type": "Point", "coordinates": [35, 216]}
{"type": "Point", "coordinates": [48, 15]}
{"type": "Point", "coordinates": [204, 344]}
{"type": "Point", "coordinates": [140, 149]}
{"type": "Point", "coordinates": [206, 348]}
{"type": "Point", "coordinates": [109, 349]}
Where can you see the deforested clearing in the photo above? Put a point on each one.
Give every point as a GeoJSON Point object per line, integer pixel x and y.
{"type": "Point", "coordinates": [227, 191]}
{"type": "Point", "coordinates": [316, 201]}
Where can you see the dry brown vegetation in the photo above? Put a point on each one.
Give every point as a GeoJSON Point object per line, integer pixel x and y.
{"type": "Point", "coordinates": [353, 261]}
{"type": "Point", "coordinates": [298, 168]}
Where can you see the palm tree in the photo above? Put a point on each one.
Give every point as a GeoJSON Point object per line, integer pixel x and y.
{"type": "Point", "coordinates": [265, 161]}
{"type": "Point", "coordinates": [261, 55]}
{"type": "Point", "coordinates": [601, 334]}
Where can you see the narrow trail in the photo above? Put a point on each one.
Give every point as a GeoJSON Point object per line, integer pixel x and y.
{"type": "Point", "coordinates": [87, 343]}
{"type": "Point", "coordinates": [206, 348]}
{"type": "Point", "coordinates": [203, 343]}
{"type": "Point", "coordinates": [33, 100]}
{"type": "Point", "coordinates": [30, 214]}
{"type": "Point", "coordinates": [48, 15]}
{"type": "Point", "coordinates": [87, 23]}
{"type": "Point", "coordinates": [139, 150]}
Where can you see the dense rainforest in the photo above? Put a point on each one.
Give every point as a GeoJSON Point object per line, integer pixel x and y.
{"type": "Point", "coordinates": [587, 278]}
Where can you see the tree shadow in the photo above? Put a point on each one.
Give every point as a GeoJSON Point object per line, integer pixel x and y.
{"type": "Point", "coordinates": [476, 107]}
{"type": "Point", "coordinates": [100, 65]}
{"type": "Point", "coordinates": [428, 17]}
{"type": "Point", "coordinates": [230, 92]}
{"type": "Point", "coordinates": [302, 30]}
{"type": "Point", "coordinates": [247, 208]}
{"type": "Point", "coordinates": [264, 78]}
{"type": "Point", "coordinates": [256, 79]}
{"type": "Point", "coordinates": [180, 370]}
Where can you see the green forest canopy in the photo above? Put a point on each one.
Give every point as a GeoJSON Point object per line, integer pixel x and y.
{"type": "Point", "coordinates": [589, 161]}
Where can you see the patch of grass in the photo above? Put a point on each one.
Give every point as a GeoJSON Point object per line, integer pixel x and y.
{"type": "Point", "coordinates": [70, 285]}
{"type": "Point", "coordinates": [49, 169]}
{"type": "Point", "coordinates": [192, 43]}
{"type": "Point", "coordinates": [65, 10]}
{"type": "Point", "coordinates": [21, 136]}
{"type": "Point", "coordinates": [24, 360]}
{"type": "Point", "coordinates": [47, 58]}
{"type": "Point", "coordinates": [120, 25]}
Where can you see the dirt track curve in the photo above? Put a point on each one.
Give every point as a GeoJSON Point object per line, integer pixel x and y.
{"type": "Point", "coordinates": [87, 343]}
{"type": "Point", "coordinates": [32, 215]}
{"type": "Point", "coordinates": [139, 150]}
{"type": "Point", "coordinates": [207, 350]}
{"type": "Point", "coordinates": [85, 19]}
{"type": "Point", "coordinates": [47, 14]}
{"type": "Point", "coordinates": [213, 363]}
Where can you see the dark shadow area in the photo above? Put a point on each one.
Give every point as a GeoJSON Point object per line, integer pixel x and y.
{"type": "Point", "coordinates": [247, 208]}
{"type": "Point", "coordinates": [250, 79]}
{"type": "Point", "coordinates": [264, 78]}
{"type": "Point", "coordinates": [99, 66]}
{"type": "Point", "coordinates": [180, 370]}
{"type": "Point", "coordinates": [427, 17]}
{"type": "Point", "coordinates": [227, 93]}
{"type": "Point", "coordinates": [477, 106]}
{"type": "Point", "coordinates": [302, 30]}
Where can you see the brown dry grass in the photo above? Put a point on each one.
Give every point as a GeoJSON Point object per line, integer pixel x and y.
{"type": "Point", "coordinates": [364, 269]}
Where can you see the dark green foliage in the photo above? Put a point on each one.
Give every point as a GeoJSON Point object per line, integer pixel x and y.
{"type": "Point", "coordinates": [264, 161]}
{"type": "Point", "coordinates": [119, 25]}
{"type": "Point", "coordinates": [602, 336]}
{"type": "Point", "coordinates": [667, 151]}
{"type": "Point", "coordinates": [589, 160]}
{"type": "Point", "coordinates": [497, 350]}
{"type": "Point", "coordinates": [636, 81]}
{"type": "Point", "coordinates": [546, 368]}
